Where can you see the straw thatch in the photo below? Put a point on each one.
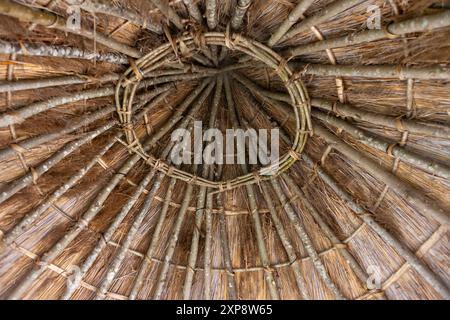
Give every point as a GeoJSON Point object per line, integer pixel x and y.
{"type": "Point", "coordinates": [91, 206]}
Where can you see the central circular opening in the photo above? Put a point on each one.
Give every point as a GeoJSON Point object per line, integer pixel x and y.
{"type": "Point", "coordinates": [174, 61]}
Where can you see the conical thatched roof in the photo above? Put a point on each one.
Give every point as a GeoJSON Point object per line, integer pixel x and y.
{"type": "Point", "coordinates": [92, 207]}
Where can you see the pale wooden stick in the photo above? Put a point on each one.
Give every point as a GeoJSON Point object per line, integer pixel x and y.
{"type": "Point", "coordinates": [323, 15]}
{"type": "Point", "coordinates": [287, 244]}
{"type": "Point", "coordinates": [409, 156]}
{"type": "Point", "coordinates": [106, 7]}
{"type": "Point", "coordinates": [396, 29]}
{"type": "Point", "coordinates": [193, 10]}
{"type": "Point", "coordinates": [294, 16]}
{"type": "Point", "coordinates": [340, 247]}
{"type": "Point", "coordinates": [170, 13]}
{"type": "Point", "coordinates": [211, 13]}
{"type": "Point", "coordinates": [435, 72]}
{"type": "Point", "coordinates": [239, 12]}
{"type": "Point", "coordinates": [173, 242]}
{"type": "Point", "coordinates": [44, 50]}
{"type": "Point", "coordinates": [306, 240]}
{"type": "Point", "coordinates": [412, 126]}
{"type": "Point", "coordinates": [12, 188]}
{"type": "Point", "coordinates": [28, 84]}
{"type": "Point", "coordinates": [139, 280]}
{"type": "Point", "coordinates": [32, 216]}
{"type": "Point", "coordinates": [231, 287]}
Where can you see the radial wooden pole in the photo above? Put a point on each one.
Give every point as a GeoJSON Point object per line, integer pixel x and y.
{"type": "Point", "coordinates": [211, 14]}
{"type": "Point", "coordinates": [295, 15]}
{"type": "Point", "coordinates": [396, 29]}
{"type": "Point", "coordinates": [45, 50]}
{"type": "Point", "coordinates": [409, 156]}
{"type": "Point", "coordinates": [12, 188]}
{"type": "Point", "coordinates": [239, 12]}
{"type": "Point", "coordinates": [306, 240]}
{"type": "Point", "coordinates": [323, 15]}
{"type": "Point", "coordinates": [224, 240]}
{"type": "Point", "coordinates": [193, 10]}
{"type": "Point", "coordinates": [52, 20]}
{"type": "Point", "coordinates": [137, 221]}
{"type": "Point", "coordinates": [412, 126]}
{"type": "Point", "coordinates": [173, 240]}
{"type": "Point", "coordinates": [435, 72]}
{"type": "Point", "coordinates": [29, 84]}
{"type": "Point", "coordinates": [164, 7]}
{"type": "Point", "coordinates": [107, 7]}
{"type": "Point", "coordinates": [139, 280]}
{"type": "Point", "coordinates": [329, 233]}
{"type": "Point", "coordinates": [287, 244]}
{"type": "Point", "coordinates": [32, 216]}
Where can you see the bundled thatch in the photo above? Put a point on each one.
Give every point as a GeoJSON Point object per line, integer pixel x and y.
{"type": "Point", "coordinates": [91, 206]}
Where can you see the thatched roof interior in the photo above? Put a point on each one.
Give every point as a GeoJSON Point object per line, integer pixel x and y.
{"type": "Point", "coordinates": [91, 208]}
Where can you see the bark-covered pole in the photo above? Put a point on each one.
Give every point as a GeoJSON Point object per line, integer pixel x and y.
{"type": "Point", "coordinates": [286, 242]}
{"type": "Point", "coordinates": [46, 50]}
{"type": "Point", "coordinates": [306, 241]}
{"type": "Point", "coordinates": [29, 84]}
{"type": "Point", "coordinates": [164, 7]}
{"type": "Point", "coordinates": [211, 14]}
{"type": "Point", "coordinates": [329, 233]}
{"type": "Point", "coordinates": [173, 240]}
{"type": "Point", "coordinates": [414, 197]}
{"type": "Point", "coordinates": [420, 161]}
{"type": "Point", "coordinates": [239, 12]}
{"type": "Point", "coordinates": [108, 7]}
{"type": "Point", "coordinates": [412, 126]}
{"type": "Point", "coordinates": [19, 115]}
{"type": "Point", "coordinates": [51, 20]}
{"type": "Point", "coordinates": [396, 29]}
{"type": "Point", "coordinates": [435, 72]}
{"type": "Point", "coordinates": [251, 195]}
{"type": "Point", "coordinates": [224, 241]}
{"type": "Point", "coordinates": [295, 15]}
{"type": "Point", "coordinates": [323, 15]}
{"type": "Point", "coordinates": [193, 10]}
{"type": "Point", "coordinates": [139, 280]}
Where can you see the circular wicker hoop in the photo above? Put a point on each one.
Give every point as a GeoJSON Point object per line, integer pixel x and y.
{"type": "Point", "coordinates": [172, 51]}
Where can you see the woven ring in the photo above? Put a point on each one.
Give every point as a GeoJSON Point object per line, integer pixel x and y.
{"type": "Point", "coordinates": [126, 86]}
